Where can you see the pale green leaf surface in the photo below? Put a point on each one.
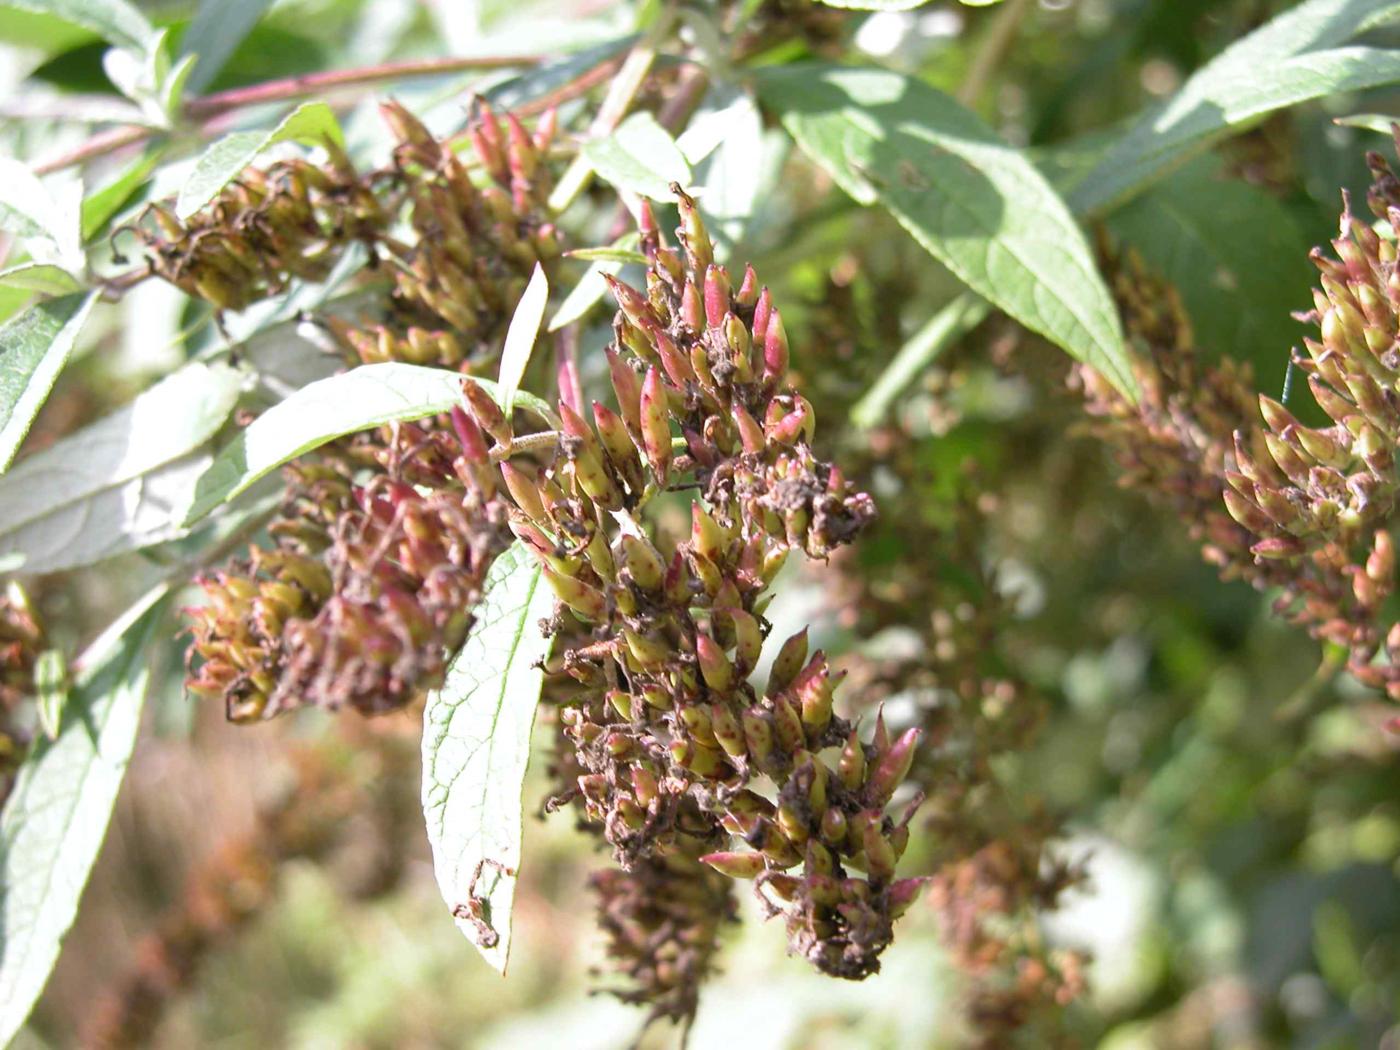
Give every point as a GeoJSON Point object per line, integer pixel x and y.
{"type": "Point", "coordinates": [524, 330]}
{"type": "Point", "coordinates": [640, 156]}
{"type": "Point", "coordinates": [975, 203]}
{"type": "Point", "coordinates": [33, 350]}
{"type": "Point", "coordinates": [224, 160]}
{"type": "Point", "coordinates": [122, 483]}
{"type": "Point", "coordinates": [116, 21]}
{"type": "Point", "coordinates": [44, 278]}
{"type": "Point", "coordinates": [618, 255]}
{"type": "Point", "coordinates": [364, 397]}
{"type": "Point", "coordinates": [46, 216]}
{"type": "Point", "coordinates": [476, 746]}
{"type": "Point", "coordinates": [1380, 123]}
{"type": "Point", "coordinates": [56, 817]}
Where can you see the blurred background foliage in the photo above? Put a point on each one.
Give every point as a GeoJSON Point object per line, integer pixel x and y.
{"type": "Point", "coordinates": [1233, 795]}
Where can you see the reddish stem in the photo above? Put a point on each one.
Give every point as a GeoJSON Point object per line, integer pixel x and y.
{"type": "Point", "coordinates": [312, 83]}
{"type": "Point", "coordinates": [208, 106]}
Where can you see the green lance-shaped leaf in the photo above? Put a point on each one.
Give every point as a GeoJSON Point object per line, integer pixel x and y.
{"type": "Point", "coordinates": [99, 206]}
{"type": "Point", "coordinates": [878, 5]}
{"type": "Point", "coordinates": [56, 817]}
{"type": "Point", "coordinates": [1289, 60]}
{"type": "Point", "coordinates": [51, 690]}
{"type": "Point", "coordinates": [476, 745]}
{"type": "Point", "coordinates": [116, 21]}
{"type": "Point", "coordinates": [33, 350]}
{"type": "Point", "coordinates": [121, 483]}
{"type": "Point", "coordinates": [940, 332]}
{"type": "Point", "coordinates": [521, 335]}
{"type": "Point", "coordinates": [222, 162]}
{"type": "Point", "coordinates": [360, 399]}
{"type": "Point", "coordinates": [215, 33]}
{"type": "Point", "coordinates": [974, 202]}
{"type": "Point", "coordinates": [640, 156]}
{"type": "Point", "coordinates": [44, 278]}
{"type": "Point", "coordinates": [591, 287]}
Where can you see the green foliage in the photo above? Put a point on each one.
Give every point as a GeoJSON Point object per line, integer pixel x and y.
{"type": "Point", "coordinates": [33, 350]}
{"type": "Point", "coordinates": [1290, 60]}
{"type": "Point", "coordinates": [639, 156]}
{"type": "Point", "coordinates": [221, 163]}
{"type": "Point", "coordinates": [976, 204]}
{"type": "Point", "coordinates": [1236, 254]}
{"type": "Point", "coordinates": [56, 817]}
{"type": "Point", "coordinates": [122, 483]}
{"type": "Point", "coordinates": [521, 335]}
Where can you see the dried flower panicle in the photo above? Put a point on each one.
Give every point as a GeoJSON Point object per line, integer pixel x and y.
{"type": "Point", "coordinates": [268, 226]}
{"type": "Point", "coordinates": [22, 640]}
{"type": "Point", "coordinates": [1319, 501]}
{"type": "Point", "coordinates": [384, 538]}
{"type": "Point", "coordinates": [1176, 442]}
{"type": "Point", "coordinates": [990, 850]}
{"type": "Point", "coordinates": [365, 595]}
{"type": "Point", "coordinates": [662, 920]}
{"type": "Point", "coordinates": [668, 732]}
{"type": "Point", "coordinates": [1301, 509]}
{"type": "Point", "coordinates": [456, 283]}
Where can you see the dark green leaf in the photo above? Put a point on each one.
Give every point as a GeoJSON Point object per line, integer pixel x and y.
{"type": "Point", "coordinates": [1289, 60]}
{"type": "Point", "coordinates": [974, 202]}
{"type": "Point", "coordinates": [1234, 253]}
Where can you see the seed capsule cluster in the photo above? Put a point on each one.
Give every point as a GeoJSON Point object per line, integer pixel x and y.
{"type": "Point", "coordinates": [1299, 509]}
{"type": "Point", "coordinates": [290, 220]}
{"type": "Point", "coordinates": [367, 591]}
{"type": "Point", "coordinates": [662, 921]}
{"type": "Point", "coordinates": [1321, 499]}
{"type": "Point", "coordinates": [380, 549]}
{"type": "Point", "coordinates": [22, 639]}
{"type": "Point", "coordinates": [670, 738]}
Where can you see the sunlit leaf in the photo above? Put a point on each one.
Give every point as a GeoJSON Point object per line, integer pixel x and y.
{"type": "Point", "coordinates": [34, 347]}
{"type": "Point", "coordinates": [222, 162]}
{"type": "Point", "coordinates": [640, 156]}
{"type": "Point", "coordinates": [476, 746]}
{"type": "Point", "coordinates": [975, 203]}
{"type": "Point", "coordinates": [122, 483]}
{"type": "Point", "coordinates": [359, 399]}
{"type": "Point", "coordinates": [521, 335]}
{"type": "Point", "coordinates": [1286, 61]}
{"type": "Point", "coordinates": [116, 21]}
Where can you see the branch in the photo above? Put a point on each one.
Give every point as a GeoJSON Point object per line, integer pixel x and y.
{"type": "Point", "coordinates": [210, 106]}
{"type": "Point", "coordinates": [313, 83]}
